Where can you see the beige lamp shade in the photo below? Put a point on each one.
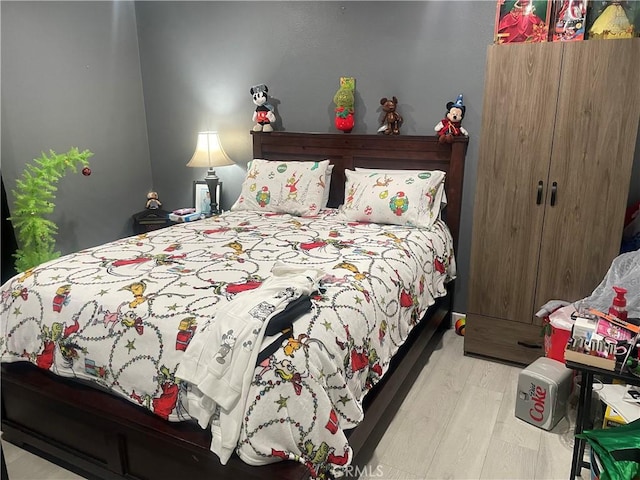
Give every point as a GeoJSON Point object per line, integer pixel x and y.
{"type": "Point", "coordinates": [209, 152]}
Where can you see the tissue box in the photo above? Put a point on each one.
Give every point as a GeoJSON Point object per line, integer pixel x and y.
{"type": "Point", "coordinates": [543, 390]}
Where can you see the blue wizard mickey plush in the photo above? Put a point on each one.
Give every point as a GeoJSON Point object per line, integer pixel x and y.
{"type": "Point", "coordinates": [263, 115]}
{"type": "Point", "coordinates": [450, 126]}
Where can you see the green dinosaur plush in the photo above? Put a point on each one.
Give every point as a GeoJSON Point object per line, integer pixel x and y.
{"type": "Point", "coordinates": [345, 101]}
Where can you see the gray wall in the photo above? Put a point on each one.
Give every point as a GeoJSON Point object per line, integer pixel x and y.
{"type": "Point", "coordinates": [199, 60]}
{"type": "Point", "coordinates": [71, 78]}
{"type": "Point", "coordinates": [135, 84]}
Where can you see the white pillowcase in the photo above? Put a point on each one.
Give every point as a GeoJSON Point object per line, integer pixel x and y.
{"type": "Point", "coordinates": [327, 186]}
{"type": "Point", "coordinates": [284, 187]}
{"type": "Point", "coordinates": [443, 201]}
{"type": "Point", "coordinates": [409, 197]}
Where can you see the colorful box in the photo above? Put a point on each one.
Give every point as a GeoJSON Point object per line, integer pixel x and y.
{"type": "Point", "coordinates": [612, 19]}
{"type": "Point", "coordinates": [190, 217]}
{"type": "Point", "coordinates": [612, 418]}
{"type": "Point", "coordinates": [556, 343]}
{"type": "Point", "coordinates": [612, 332]}
{"type": "Point", "coordinates": [522, 21]}
{"type": "Point", "coordinates": [569, 19]}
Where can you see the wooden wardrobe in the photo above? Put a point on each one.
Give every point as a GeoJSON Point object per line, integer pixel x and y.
{"type": "Point", "coordinates": [559, 127]}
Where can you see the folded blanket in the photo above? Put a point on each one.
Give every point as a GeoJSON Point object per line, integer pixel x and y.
{"type": "Point", "coordinates": [221, 358]}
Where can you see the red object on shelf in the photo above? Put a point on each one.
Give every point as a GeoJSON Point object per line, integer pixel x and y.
{"type": "Point", "coordinates": [556, 342]}
{"type": "Point", "coordinates": [618, 307]}
{"type": "Point", "coordinates": [344, 120]}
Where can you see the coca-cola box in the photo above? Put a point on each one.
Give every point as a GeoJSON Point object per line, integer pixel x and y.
{"type": "Point", "coordinates": [543, 390]}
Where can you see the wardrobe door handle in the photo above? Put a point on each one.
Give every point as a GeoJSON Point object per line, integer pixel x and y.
{"type": "Point", "coordinates": [539, 196]}
{"type": "Point", "coordinates": [554, 190]}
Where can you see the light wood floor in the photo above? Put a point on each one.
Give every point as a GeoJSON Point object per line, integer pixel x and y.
{"type": "Point", "coordinates": [456, 423]}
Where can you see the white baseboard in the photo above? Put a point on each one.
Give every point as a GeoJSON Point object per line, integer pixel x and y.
{"type": "Point", "coordinates": [455, 316]}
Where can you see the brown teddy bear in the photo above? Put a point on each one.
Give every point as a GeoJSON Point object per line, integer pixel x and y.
{"type": "Point", "coordinates": [391, 120]}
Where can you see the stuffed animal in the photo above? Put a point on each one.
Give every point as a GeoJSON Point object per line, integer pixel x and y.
{"type": "Point", "coordinates": [263, 115]}
{"type": "Point", "coordinates": [450, 126]}
{"type": "Point", "coordinates": [152, 201]}
{"type": "Point", "coordinates": [391, 120]}
{"type": "Point", "coordinates": [345, 100]}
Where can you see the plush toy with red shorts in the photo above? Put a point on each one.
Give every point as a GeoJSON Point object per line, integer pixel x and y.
{"type": "Point", "coordinates": [263, 116]}
{"type": "Point", "coordinates": [451, 125]}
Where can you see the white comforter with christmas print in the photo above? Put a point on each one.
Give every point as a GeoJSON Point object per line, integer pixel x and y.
{"type": "Point", "coordinates": [122, 315]}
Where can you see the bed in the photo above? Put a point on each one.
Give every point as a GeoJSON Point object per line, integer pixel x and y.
{"type": "Point", "coordinates": [103, 435]}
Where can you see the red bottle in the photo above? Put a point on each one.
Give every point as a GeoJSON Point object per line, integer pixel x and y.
{"type": "Point", "coordinates": [618, 307]}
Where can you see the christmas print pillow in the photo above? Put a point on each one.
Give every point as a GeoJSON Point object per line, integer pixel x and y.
{"type": "Point", "coordinates": [403, 198]}
{"type": "Point", "coordinates": [283, 187]}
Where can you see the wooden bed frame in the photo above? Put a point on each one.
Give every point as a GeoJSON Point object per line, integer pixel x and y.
{"type": "Point", "coordinates": [98, 435]}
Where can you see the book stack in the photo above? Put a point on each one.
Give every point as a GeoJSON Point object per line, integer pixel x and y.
{"type": "Point", "coordinates": [185, 215]}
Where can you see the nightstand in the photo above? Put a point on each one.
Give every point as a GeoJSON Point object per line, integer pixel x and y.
{"type": "Point", "coordinates": [150, 219]}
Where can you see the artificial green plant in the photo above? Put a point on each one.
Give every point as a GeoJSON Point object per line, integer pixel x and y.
{"type": "Point", "coordinates": [33, 199]}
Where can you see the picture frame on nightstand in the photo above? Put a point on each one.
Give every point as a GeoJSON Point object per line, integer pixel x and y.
{"type": "Point", "coordinates": [202, 198]}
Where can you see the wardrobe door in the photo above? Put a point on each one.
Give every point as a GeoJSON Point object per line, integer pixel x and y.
{"type": "Point", "coordinates": [515, 149]}
{"type": "Point", "coordinates": [596, 127]}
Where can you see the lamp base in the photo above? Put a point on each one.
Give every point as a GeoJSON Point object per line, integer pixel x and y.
{"type": "Point", "coordinates": [212, 182]}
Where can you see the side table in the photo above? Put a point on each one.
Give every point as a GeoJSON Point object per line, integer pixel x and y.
{"type": "Point", "coordinates": [584, 406]}
{"type": "Point", "coordinates": [150, 219]}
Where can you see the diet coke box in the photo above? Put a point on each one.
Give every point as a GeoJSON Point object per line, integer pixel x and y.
{"type": "Point", "coordinates": [543, 390]}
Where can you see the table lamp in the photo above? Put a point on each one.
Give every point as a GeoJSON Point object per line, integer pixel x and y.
{"type": "Point", "coordinates": [209, 153]}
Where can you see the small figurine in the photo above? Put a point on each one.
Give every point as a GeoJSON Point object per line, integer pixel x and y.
{"type": "Point", "coordinates": [152, 201]}
{"type": "Point", "coordinates": [391, 120]}
{"type": "Point", "coordinates": [344, 100]}
{"type": "Point", "coordinates": [263, 115]}
{"type": "Point", "coordinates": [450, 126]}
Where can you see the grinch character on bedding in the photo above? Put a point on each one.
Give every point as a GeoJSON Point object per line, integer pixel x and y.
{"type": "Point", "coordinates": [359, 357]}
{"type": "Point", "coordinates": [292, 185]}
{"type": "Point", "coordinates": [58, 336]}
{"type": "Point", "coordinates": [315, 457]}
{"type": "Point", "coordinates": [167, 401]}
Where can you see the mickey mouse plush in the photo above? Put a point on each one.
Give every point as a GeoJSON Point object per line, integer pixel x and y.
{"type": "Point", "coordinates": [450, 126]}
{"type": "Point", "coordinates": [263, 116]}
{"type": "Point", "coordinates": [391, 120]}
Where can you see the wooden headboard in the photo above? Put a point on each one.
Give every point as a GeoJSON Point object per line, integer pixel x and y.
{"type": "Point", "coordinates": [347, 151]}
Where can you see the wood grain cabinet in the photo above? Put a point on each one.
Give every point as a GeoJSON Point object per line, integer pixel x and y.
{"type": "Point", "coordinates": [559, 127]}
